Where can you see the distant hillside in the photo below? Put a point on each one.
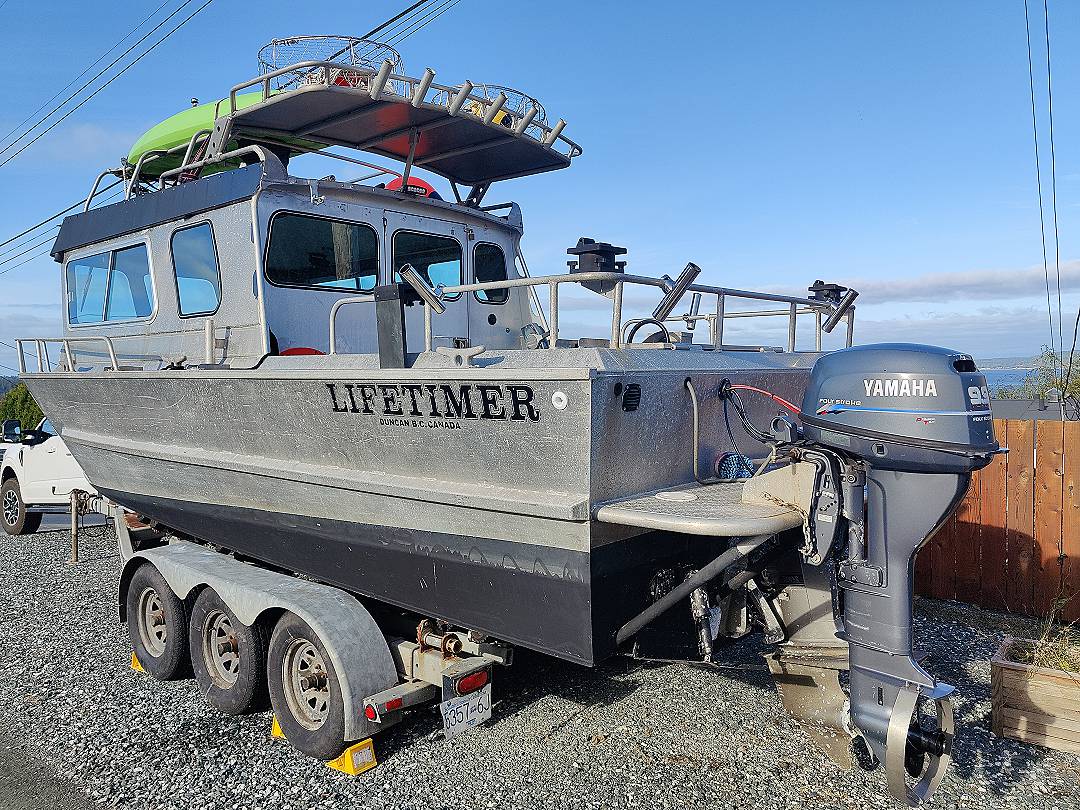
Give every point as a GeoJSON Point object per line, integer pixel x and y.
{"type": "Point", "coordinates": [988, 363]}
{"type": "Point", "coordinates": [6, 384]}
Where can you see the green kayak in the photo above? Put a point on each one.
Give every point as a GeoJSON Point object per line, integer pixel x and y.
{"type": "Point", "coordinates": [176, 131]}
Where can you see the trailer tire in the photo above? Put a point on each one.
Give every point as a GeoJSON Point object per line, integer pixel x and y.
{"type": "Point", "coordinates": [305, 690]}
{"type": "Point", "coordinates": [17, 518]}
{"type": "Point", "coordinates": [228, 658]}
{"type": "Point", "coordinates": [157, 621]}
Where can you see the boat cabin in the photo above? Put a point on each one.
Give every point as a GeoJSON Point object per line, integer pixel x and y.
{"type": "Point", "coordinates": [258, 262]}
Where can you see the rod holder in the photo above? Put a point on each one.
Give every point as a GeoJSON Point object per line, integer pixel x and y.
{"type": "Point", "coordinates": [555, 132]}
{"type": "Point", "coordinates": [676, 291]}
{"type": "Point", "coordinates": [494, 108]}
{"type": "Point", "coordinates": [378, 84]}
{"type": "Point", "coordinates": [695, 310]}
{"type": "Point", "coordinates": [527, 119]}
{"type": "Point", "coordinates": [459, 100]}
{"type": "Point", "coordinates": [430, 296]}
{"type": "Point", "coordinates": [841, 310]}
{"type": "Point", "coordinates": [423, 87]}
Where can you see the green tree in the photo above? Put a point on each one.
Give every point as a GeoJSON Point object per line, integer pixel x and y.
{"type": "Point", "coordinates": [18, 404]}
{"type": "Point", "coordinates": [1046, 375]}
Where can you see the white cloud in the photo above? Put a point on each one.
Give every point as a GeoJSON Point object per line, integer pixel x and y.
{"type": "Point", "coordinates": [957, 286]}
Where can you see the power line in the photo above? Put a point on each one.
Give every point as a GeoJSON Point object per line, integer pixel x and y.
{"type": "Point", "coordinates": [431, 17]}
{"type": "Point", "coordinates": [1053, 181]}
{"type": "Point", "coordinates": [25, 242]}
{"type": "Point", "coordinates": [115, 76]}
{"type": "Point", "coordinates": [55, 216]}
{"type": "Point", "coordinates": [1038, 175]}
{"type": "Point", "coordinates": [84, 71]}
{"type": "Point", "coordinates": [393, 19]}
{"type": "Point", "coordinates": [113, 196]}
{"type": "Point", "coordinates": [36, 245]}
{"type": "Point", "coordinates": [401, 21]}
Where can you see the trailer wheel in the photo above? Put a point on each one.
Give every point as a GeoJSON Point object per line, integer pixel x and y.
{"type": "Point", "coordinates": [229, 658]}
{"type": "Point", "coordinates": [157, 621]}
{"type": "Point", "coordinates": [304, 689]}
{"type": "Point", "coordinates": [17, 519]}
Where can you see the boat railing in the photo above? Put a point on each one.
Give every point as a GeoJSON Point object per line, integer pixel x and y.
{"type": "Point", "coordinates": [417, 91]}
{"type": "Point", "coordinates": [44, 361]}
{"type": "Point", "coordinates": [826, 313]}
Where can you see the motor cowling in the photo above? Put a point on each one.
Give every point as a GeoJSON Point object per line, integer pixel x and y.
{"type": "Point", "coordinates": [907, 424]}
{"type": "Point", "coordinates": [901, 406]}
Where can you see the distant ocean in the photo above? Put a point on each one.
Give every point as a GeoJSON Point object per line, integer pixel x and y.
{"type": "Point", "coordinates": [1005, 377]}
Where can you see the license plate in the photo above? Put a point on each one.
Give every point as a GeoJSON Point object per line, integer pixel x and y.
{"type": "Point", "coordinates": [466, 712]}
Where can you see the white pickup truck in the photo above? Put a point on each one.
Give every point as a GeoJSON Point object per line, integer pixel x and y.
{"type": "Point", "coordinates": [36, 474]}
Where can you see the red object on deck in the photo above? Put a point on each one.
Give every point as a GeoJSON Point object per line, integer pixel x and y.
{"type": "Point", "coordinates": [298, 350]}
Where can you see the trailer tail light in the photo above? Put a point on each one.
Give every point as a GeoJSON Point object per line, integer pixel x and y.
{"type": "Point", "coordinates": [394, 705]}
{"type": "Point", "coordinates": [371, 714]}
{"type": "Point", "coordinates": [471, 683]}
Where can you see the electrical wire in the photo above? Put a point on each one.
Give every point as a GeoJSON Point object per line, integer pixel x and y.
{"type": "Point", "coordinates": [111, 197]}
{"type": "Point", "coordinates": [27, 241]}
{"type": "Point", "coordinates": [777, 399]}
{"type": "Point", "coordinates": [57, 215]}
{"type": "Point", "coordinates": [115, 76]}
{"type": "Point", "coordinates": [1038, 175]}
{"type": "Point", "coordinates": [401, 21]}
{"type": "Point", "coordinates": [393, 19]}
{"type": "Point", "coordinates": [431, 17]}
{"type": "Point", "coordinates": [1053, 183]}
{"type": "Point", "coordinates": [34, 246]}
{"type": "Point", "coordinates": [84, 71]}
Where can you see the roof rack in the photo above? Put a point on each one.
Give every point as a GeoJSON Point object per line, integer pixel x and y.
{"type": "Point", "coordinates": [470, 138]}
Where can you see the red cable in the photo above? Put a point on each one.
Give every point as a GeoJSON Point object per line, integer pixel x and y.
{"type": "Point", "coordinates": [770, 395]}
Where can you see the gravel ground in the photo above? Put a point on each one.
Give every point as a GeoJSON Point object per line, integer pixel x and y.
{"type": "Point", "coordinates": [80, 729]}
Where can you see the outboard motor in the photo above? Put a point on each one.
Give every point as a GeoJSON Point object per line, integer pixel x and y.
{"type": "Point", "coordinates": [903, 427]}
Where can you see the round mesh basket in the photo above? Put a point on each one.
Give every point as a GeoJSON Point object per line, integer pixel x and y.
{"type": "Point", "coordinates": [357, 58]}
{"type": "Point", "coordinates": [516, 107]}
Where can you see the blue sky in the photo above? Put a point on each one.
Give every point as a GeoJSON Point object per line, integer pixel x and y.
{"type": "Point", "coordinates": [885, 145]}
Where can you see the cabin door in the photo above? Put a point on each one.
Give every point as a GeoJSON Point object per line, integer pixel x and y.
{"type": "Point", "coordinates": [437, 249]}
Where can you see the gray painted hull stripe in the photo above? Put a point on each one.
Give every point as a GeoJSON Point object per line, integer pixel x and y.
{"type": "Point", "coordinates": [554, 505]}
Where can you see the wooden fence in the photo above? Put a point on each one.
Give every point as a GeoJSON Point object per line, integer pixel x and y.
{"type": "Point", "coordinates": [1014, 542]}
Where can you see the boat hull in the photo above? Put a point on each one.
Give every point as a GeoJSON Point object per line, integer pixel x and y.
{"type": "Point", "coordinates": [486, 521]}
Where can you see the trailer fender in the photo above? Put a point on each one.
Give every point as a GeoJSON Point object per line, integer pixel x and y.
{"type": "Point", "coordinates": [353, 640]}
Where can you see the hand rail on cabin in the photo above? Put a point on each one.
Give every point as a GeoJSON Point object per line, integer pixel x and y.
{"type": "Point", "coordinates": [265, 157]}
{"type": "Point", "coordinates": [796, 305]}
{"type": "Point", "coordinates": [44, 364]}
{"type": "Point", "coordinates": [353, 299]}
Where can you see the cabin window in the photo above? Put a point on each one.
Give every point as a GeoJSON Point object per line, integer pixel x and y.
{"type": "Point", "coordinates": [436, 258]}
{"type": "Point", "coordinates": [489, 264]}
{"type": "Point", "coordinates": [313, 252]}
{"type": "Point", "coordinates": [87, 280]}
{"type": "Point", "coordinates": [198, 279]}
{"type": "Point", "coordinates": [130, 293]}
{"type": "Point", "coordinates": [113, 286]}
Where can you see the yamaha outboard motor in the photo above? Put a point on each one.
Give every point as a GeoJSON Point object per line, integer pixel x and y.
{"type": "Point", "coordinates": [903, 427]}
